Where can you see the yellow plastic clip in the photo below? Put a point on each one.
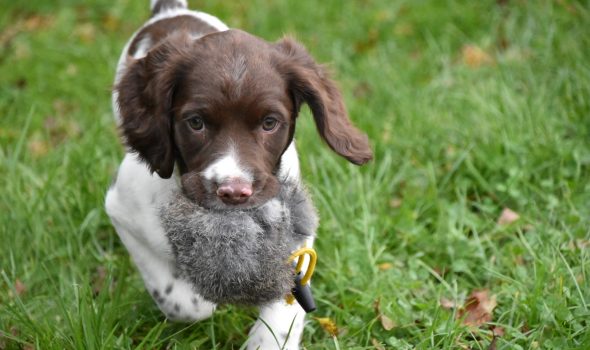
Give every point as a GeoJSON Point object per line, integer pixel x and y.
{"type": "Point", "coordinates": [300, 256]}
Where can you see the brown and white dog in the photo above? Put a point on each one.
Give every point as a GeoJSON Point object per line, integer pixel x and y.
{"type": "Point", "coordinates": [212, 111]}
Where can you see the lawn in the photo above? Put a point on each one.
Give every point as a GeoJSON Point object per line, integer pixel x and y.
{"type": "Point", "coordinates": [469, 230]}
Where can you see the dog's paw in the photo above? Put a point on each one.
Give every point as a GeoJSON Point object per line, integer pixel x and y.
{"type": "Point", "coordinates": [180, 303]}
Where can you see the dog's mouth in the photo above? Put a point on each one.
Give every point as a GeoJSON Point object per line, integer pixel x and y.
{"type": "Point", "coordinates": [213, 197]}
{"type": "Point", "coordinates": [212, 201]}
{"type": "Point", "coordinates": [218, 205]}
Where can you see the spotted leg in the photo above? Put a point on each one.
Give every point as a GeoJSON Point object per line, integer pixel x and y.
{"type": "Point", "coordinates": [132, 203]}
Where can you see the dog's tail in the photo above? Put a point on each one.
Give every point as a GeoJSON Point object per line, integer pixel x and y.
{"type": "Point", "coordinates": [158, 6]}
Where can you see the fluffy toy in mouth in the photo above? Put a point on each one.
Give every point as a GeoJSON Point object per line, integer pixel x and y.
{"type": "Point", "coordinates": [239, 256]}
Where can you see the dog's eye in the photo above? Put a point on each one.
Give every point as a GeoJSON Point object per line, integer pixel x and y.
{"type": "Point", "coordinates": [196, 123]}
{"type": "Point", "coordinates": [269, 123]}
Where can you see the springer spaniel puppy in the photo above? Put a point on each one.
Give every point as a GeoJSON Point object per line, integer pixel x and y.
{"type": "Point", "coordinates": [210, 112]}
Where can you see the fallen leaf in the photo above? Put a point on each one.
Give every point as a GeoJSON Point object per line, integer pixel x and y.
{"type": "Point", "coordinates": [385, 266]}
{"type": "Point", "coordinates": [377, 344]}
{"type": "Point", "coordinates": [498, 331]}
{"type": "Point", "coordinates": [395, 202]}
{"type": "Point", "coordinates": [328, 325]}
{"type": "Point", "coordinates": [386, 322]}
{"type": "Point", "coordinates": [569, 7]}
{"type": "Point", "coordinates": [478, 308]}
{"type": "Point", "coordinates": [582, 243]}
{"type": "Point", "coordinates": [362, 90]}
{"type": "Point", "coordinates": [98, 279]}
{"type": "Point", "coordinates": [86, 32]}
{"type": "Point", "coordinates": [61, 128]}
{"type": "Point", "coordinates": [36, 23]}
{"type": "Point", "coordinates": [447, 304]}
{"type": "Point", "coordinates": [71, 69]}
{"type": "Point", "coordinates": [367, 43]}
{"type": "Point", "coordinates": [507, 217]}
{"type": "Point", "coordinates": [111, 23]}
{"type": "Point", "coordinates": [474, 56]}
{"type": "Point", "coordinates": [19, 287]}
{"type": "Point", "coordinates": [38, 147]}
{"type": "Point", "coordinates": [403, 29]}
{"type": "Point", "coordinates": [22, 50]}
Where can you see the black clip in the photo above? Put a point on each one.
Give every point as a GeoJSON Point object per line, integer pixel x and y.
{"type": "Point", "coordinates": [303, 295]}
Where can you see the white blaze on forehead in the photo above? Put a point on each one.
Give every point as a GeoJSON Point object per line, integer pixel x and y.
{"type": "Point", "coordinates": [226, 167]}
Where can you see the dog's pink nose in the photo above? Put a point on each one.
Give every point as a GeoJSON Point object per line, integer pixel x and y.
{"type": "Point", "coordinates": [234, 191]}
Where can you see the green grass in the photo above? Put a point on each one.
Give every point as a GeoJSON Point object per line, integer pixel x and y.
{"type": "Point", "coordinates": [454, 144]}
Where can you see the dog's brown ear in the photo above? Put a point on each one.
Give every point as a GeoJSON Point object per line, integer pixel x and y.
{"type": "Point", "coordinates": [145, 94]}
{"type": "Point", "coordinates": [309, 82]}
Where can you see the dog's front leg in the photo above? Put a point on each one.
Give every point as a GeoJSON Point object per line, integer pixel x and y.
{"type": "Point", "coordinates": [174, 296]}
{"type": "Point", "coordinates": [279, 326]}
{"type": "Point", "coordinates": [131, 203]}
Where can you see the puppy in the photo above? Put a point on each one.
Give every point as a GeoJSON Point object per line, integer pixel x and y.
{"type": "Point", "coordinates": [211, 112]}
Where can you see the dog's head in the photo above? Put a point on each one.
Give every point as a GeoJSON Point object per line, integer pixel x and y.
{"type": "Point", "coordinates": [223, 109]}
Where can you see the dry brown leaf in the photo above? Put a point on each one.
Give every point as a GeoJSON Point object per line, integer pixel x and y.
{"type": "Point", "coordinates": [19, 287]}
{"type": "Point", "coordinates": [362, 90]}
{"type": "Point", "coordinates": [369, 42]}
{"type": "Point", "coordinates": [386, 322]}
{"type": "Point", "coordinates": [447, 304]}
{"type": "Point", "coordinates": [36, 22]}
{"type": "Point", "coordinates": [478, 308]}
{"type": "Point", "coordinates": [111, 23]}
{"type": "Point", "coordinates": [474, 56]}
{"type": "Point", "coordinates": [86, 32]}
{"type": "Point", "coordinates": [377, 344]}
{"type": "Point", "coordinates": [71, 69]}
{"type": "Point", "coordinates": [98, 279]}
{"type": "Point", "coordinates": [22, 50]}
{"type": "Point", "coordinates": [395, 202]}
{"type": "Point", "coordinates": [582, 243]}
{"type": "Point", "coordinates": [403, 29]}
{"type": "Point", "coordinates": [507, 217]}
{"type": "Point", "coordinates": [385, 266]}
{"type": "Point", "coordinates": [328, 325]}
{"type": "Point", "coordinates": [60, 128]}
{"type": "Point", "coordinates": [498, 331]}
{"type": "Point", "coordinates": [38, 147]}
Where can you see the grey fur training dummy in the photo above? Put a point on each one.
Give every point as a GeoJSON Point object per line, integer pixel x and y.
{"type": "Point", "coordinates": [239, 256]}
